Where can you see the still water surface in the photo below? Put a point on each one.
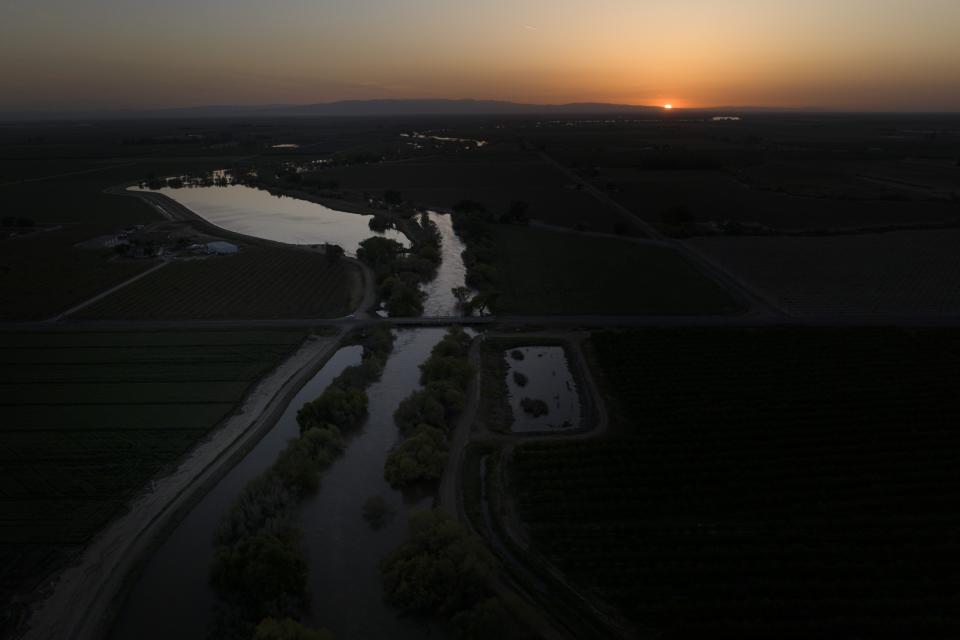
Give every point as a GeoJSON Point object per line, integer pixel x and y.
{"type": "Point", "coordinates": [255, 212]}
{"type": "Point", "coordinates": [172, 598]}
{"type": "Point", "coordinates": [549, 379]}
{"type": "Point", "coordinates": [452, 272]}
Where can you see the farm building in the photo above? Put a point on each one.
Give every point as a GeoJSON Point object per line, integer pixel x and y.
{"type": "Point", "coordinates": [220, 247]}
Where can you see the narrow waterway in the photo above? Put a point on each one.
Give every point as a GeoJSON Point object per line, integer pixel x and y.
{"type": "Point", "coordinates": [451, 273]}
{"type": "Point", "coordinates": [344, 550]}
{"type": "Point", "coordinates": [256, 212]}
{"type": "Point", "coordinates": [172, 597]}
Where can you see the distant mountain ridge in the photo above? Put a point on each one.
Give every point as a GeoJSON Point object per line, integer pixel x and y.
{"type": "Point", "coordinates": [345, 108]}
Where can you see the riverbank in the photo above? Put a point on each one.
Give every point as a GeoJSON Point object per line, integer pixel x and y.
{"type": "Point", "coordinates": [81, 602]}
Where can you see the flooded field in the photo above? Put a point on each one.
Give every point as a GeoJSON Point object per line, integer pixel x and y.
{"type": "Point", "coordinates": [172, 598]}
{"type": "Point", "coordinates": [258, 213]}
{"type": "Point", "coordinates": [542, 390]}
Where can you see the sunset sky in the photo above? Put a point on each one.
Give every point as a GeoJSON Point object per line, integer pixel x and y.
{"type": "Point", "coordinates": [844, 54]}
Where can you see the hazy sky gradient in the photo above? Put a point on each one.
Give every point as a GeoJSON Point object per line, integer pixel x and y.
{"type": "Point", "coordinates": [846, 54]}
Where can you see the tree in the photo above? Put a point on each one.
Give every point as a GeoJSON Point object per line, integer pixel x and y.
{"type": "Point", "coordinates": [342, 407]}
{"type": "Point", "coordinates": [420, 407]}
{"type": "Point", "coordinates": [420, 457]}
{"type": "Point", "coordinates": [462, 294]}
{"type": "Point", "coordinates": [265, 574]}
{"type": "Point", "coordinates": [379, 252]}
{"type": "Point", "coordinates": [439, 570]}
{"type": "Point", "coordinates": [334, 252]}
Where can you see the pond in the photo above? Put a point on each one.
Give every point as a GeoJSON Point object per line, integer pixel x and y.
{"type": "Point", "coordinates": [258, 213]}
{"type": "Point", "coordinates": [173, 599]}
{"type": "Point", "coordinates": [541, 379]}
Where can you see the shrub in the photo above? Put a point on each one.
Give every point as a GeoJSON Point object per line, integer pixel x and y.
{"type": "Point", "coordinates": [535, 407]}
{"type": "Point", "coordinates": [439, 570]}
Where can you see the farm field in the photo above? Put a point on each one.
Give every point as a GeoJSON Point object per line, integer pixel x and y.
{"type": "Point", "coordinates": [493, 177]}
{"type": "Point", "coordinates": [86, 419]}
{"type": "Point", "coordinates": [904, 272]}
{"type": "Point", "coordinates": [43, 273]}
{"type": "Point", "coordinates": [763, 483]}
{"type": "Point", "coordinates": [550, 272]}
{"type": "Point", "coordinates": [258, 282]}
{"type": "Point", "coordinates": [785, 198]}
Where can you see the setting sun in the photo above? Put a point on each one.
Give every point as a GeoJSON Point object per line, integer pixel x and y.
{"type": "Point", "coordinates": [668, 107]}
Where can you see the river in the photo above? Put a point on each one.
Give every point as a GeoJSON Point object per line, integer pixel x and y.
{"type": "Point", "coordinates": [452, 272]}
{"type": "Point", "coordinates": [172, 597]}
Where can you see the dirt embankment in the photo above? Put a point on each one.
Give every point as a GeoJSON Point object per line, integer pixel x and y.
{"type": "Point", "coordinates": [81, 600]}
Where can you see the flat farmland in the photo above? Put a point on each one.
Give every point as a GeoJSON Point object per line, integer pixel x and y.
{"type": "Point", "coordinates": [720, 196]}
{"type": "Point", "coordinates": [45, 273]}
{"type": "Point", "coordinates": [552, 272]}
{"type": "Point", "coordinates": [904, 272]}
{"type": "Point", "coordinates": [89, 418]}
{"type": "Point", "coordinates": [258, 282]}
{"type": "Point", "coordinates": [763, 483]}
{"type": "Point", "coordinates": [493, 178]}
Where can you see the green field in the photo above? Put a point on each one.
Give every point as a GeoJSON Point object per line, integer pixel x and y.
{"type": "Point", "coordinates": [256, 283]}
{"type": "Point", "coordinates": [548, 272]}
{"type": "Point", "coordinates": [87, 418]}
{"type": "Point", "coordinates": [764, 484]}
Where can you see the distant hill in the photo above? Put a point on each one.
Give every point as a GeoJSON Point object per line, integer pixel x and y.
{"type": "Point", "coordinates": [382, 108]}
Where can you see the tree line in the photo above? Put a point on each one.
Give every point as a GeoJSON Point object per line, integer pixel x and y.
{"type": "Point", "coordinates": [259, 569]}
{"type": "Point", "coordinates": [426, 416]}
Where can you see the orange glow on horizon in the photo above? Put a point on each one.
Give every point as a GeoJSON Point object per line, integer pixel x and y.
{"type": "Point", "coordinates": [689, 55]}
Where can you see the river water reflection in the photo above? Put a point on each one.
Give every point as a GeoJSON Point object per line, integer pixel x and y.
{"type": "Point", "coordinates": [172, 597]}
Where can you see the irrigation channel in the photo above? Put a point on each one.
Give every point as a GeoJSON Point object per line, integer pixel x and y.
{"type": "Point", "coordinates": [172, 597]}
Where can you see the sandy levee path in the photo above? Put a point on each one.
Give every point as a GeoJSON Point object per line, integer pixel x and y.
{"type": "Point", "coordinates": [81, 600]}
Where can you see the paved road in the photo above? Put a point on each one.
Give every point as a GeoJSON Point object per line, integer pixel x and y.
{"type": "Point", "coordinates": [534, 322]}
